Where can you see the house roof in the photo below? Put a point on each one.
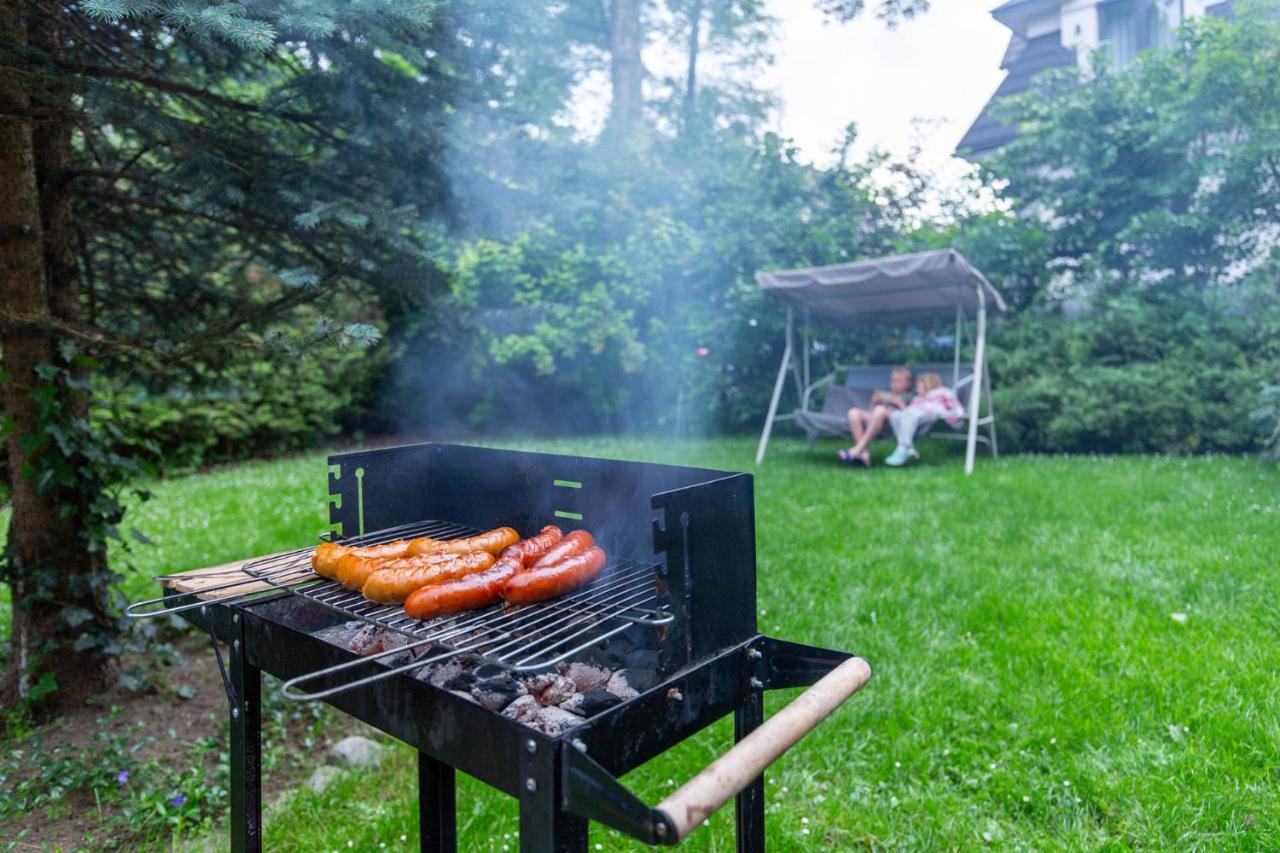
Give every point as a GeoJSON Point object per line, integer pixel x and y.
{"type": "Point", "coordinates": [1017, 14]}
{"type": "Point", "coordinates": [899, 289]}
{"type": "Point", "coordinates": [1024, 60]}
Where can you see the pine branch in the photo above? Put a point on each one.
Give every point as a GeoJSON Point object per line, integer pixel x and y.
{"type": "Point", "coordinates": [173, 86]}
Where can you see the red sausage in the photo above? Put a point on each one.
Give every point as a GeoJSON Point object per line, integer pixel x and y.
{"type": "Point", "coordinates": [469, 593]}
{"type": "Point", "coordinates": [570, 546]}
{"type": "Point", "coordinates": [528, 550]}
{"type": "Point", "coordinates": [565, 576]}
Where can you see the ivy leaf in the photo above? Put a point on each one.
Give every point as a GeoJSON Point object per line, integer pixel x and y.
{"type": "Point", "coordinates": [76, 616]}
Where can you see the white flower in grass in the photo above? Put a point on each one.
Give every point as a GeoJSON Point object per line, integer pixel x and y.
{"type": "Point", "coordinates": [897, 764]}
{"type": "Point", "coordinates": [986, 836]}
{"type": "Point", "coordinates": [1066, 783]}
{"type": "Point", "coordinates": [804, 831]}
{"type": "Point", "coordinates": [404, 838]}
{"type": "Point", "coordinates": [1025, 798]}
{"type": "Point", "coordinates": [1052, 741]}
{"type": "Point", "coordinates": [1180, 618]}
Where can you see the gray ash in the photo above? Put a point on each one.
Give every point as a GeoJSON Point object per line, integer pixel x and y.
{"type": "Point", "coordinates": [551, 702]}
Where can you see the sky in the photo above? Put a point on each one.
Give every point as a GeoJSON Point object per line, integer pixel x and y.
{"type": "Point", "coordinates": [926, 80]}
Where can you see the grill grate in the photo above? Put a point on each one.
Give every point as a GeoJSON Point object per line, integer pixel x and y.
{"type": "Point", "coordinates": [526, 638]}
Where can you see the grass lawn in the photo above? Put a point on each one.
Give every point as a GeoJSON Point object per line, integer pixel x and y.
{"type": "Point", "coordinates": [1069, 652]}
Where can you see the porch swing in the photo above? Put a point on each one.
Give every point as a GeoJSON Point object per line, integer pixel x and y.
{"type": "Point", "coordinates": [899, 291]}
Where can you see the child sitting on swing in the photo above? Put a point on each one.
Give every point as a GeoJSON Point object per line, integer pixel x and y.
{"type": "Point", "coordinates": [933, 401]}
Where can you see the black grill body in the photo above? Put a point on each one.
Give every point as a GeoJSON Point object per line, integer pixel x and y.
{"type": "Point", "coordinates": [696, 525]}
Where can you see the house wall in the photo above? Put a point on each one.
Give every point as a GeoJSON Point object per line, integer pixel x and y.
{"type": "Point", "coordinates": [1078, 22]}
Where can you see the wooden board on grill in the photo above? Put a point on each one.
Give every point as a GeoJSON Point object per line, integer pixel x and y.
{"type": "Point", "coordinates": [218, 576]}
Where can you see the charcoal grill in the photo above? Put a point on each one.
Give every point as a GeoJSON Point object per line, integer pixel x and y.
{"type": "Point", "coordinates": [681, 574]}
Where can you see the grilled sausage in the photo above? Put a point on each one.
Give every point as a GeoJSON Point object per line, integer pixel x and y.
{"type": "Point", "coordinates": [531, 549]}
{"type": "Point", "coordinates": [550, 581]}
{"type": "Point", "coordinates": [396, 579]}
{"type": "Point", "coordinates": [328, 556]}
{"type": "Point", "coordinates": [572, 545]}
{"type": "Point", "coordinates": [469, 593]}
{"type": "Point", "coordinates": [354, 570]}
{"type": "Point", "coordinates": [492, 541]}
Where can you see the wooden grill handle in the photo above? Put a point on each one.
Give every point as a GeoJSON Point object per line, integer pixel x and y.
{"type": "Point", "coordinates": [695, 801]}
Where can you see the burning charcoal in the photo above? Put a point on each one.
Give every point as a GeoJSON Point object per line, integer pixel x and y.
{"type": "Point", "coordinates": [549, 688]}
{"type": "Point", "coordinates": [367, 640]}
{"type": "Point", "coordinates": [559, 690]}
{"type": "Point", "coordinates": [446, 674]}
{"type": "Point", "coordinates": [460, 682]}
{"type": "Point", "coordinates": [497, 692]}
{"type": "Point", "coordinates": [553, 721]}
{"type": "Point", "coordinates": [522, 709]}
{"type": "Point", "coordinates": [590, 703]}
{"type": "Point", "coordinates": [617, 650]}
{"type": "Point", "coordinates": [642, 659]}
{"type": "Point", "coordinates": [586, 677]}
{"type": "Point", "coordinates": [485, 671]}
{"type": "Point", "coordinates": [630, 683]}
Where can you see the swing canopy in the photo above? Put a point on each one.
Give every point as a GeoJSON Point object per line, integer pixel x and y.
{"type": "Point", "coordinates": [900, 289]}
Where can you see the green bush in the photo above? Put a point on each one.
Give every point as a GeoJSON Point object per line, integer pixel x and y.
{"type": "Point", "coordinates": [1161, 407]}
{"type": "Point", "coordinates": [254, 407]}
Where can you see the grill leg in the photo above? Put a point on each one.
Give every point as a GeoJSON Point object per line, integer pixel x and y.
{"type": "Point", "coordinates": [749, 804]}
{"type": "Point", "coordinates": [246, 751]}
{"type": "Point", "coordinates": [437, 812]}
{"type": "Point", "coordinates": [547, 829]}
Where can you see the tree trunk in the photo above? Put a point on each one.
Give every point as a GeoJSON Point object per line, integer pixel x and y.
{"type": "Point", "coordinates": [691, 75]}
{"type": "Point", "coordinates": [49, 564]}
{"type": "Point", "coordinates": [626, 67]}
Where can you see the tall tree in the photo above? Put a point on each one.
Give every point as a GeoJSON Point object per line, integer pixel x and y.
{"type": "Point", "coordinates": [626, 66]}
{"type": "Point", "coordinates": [181, 180]}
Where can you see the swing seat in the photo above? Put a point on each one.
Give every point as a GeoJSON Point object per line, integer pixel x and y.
{"type": "Point", "coordinates": [859, 384]}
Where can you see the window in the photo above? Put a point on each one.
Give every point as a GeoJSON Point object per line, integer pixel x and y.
{"type": "Point", "coordinates": [1127, 27]}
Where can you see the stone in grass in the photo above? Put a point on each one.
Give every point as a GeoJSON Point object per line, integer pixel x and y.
{"type": "Point", "coordinates": [591, 703]}
{"type": "Point", "coordinates": [322, 777]}
{"type": "Point", "coordinates": [356, 751]}
{"type": "Point", "coordinates": [630, 683]}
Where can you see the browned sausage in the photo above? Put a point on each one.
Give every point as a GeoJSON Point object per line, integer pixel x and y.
{"type": "Point", "coordinates": [573, 544]}
{"type": "Point", "coordinates": [528, 550]}
{"type": "Point", "coordinates": [328, 556]}
{"type": "Point", "coordinates": [396, 579]}
{"type": "Point", "coordinates": [354, 570]}
{"type": "Point", "coordinates": [469, 593]}
{"type": "Point", "coordinates": [550, 581]}
{"type": "Point", "coordinates": [492, 541]}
